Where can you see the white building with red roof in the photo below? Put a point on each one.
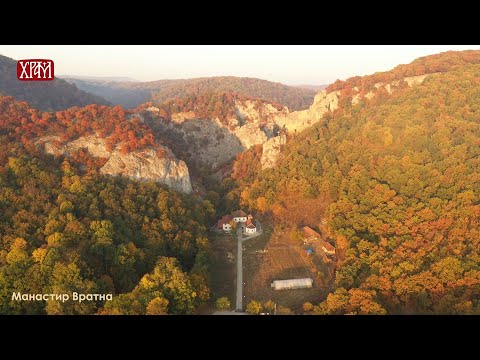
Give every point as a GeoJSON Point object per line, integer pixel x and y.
{"type": "Point", "coordinates": [250, 227]}
{"type": "Point", "coordinates": [239, 216]}
{"type": "Point", "coordinates": [224, 223]}
{"type": "Point", "coordinates": [246, 222]}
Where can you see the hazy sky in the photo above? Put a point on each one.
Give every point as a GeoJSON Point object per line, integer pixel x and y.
{"type": "Point", "coordinates": [290, 64]}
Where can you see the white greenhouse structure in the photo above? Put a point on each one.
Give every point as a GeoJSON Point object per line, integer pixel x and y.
{"type": "Point", "coordinates": [292, 284]}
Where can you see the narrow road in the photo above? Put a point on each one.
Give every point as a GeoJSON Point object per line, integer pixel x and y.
{"type": "Point", "coordinates": [239, 303]}
{"type": "Point", "coordinates": [240, 240]}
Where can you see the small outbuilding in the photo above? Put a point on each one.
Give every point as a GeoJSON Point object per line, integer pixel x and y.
{"type": "Point", "coordinates": [251, 229]}
{"type": "Point", "coordinates": [305, 283]}
{"type": "Point", "coordinates": [327, 247]}
{"type": "Point", "coordinates": [311, 235]}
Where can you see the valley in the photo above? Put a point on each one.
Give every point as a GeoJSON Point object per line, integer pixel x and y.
{"type": "Point", "coordinates": [369, 187]}
{"type": "Point", "coordinates": [131, 94]}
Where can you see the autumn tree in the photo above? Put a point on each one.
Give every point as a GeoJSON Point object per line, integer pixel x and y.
{"type": "Point", "coordinates": [396, 174]}
{"type": "Point", "coordinates": [223, 303]}
{"type": "Point", "coordinates": [269, 306]}
{"type": "Point", "coordinates": [157, 306]}
{"type": "Point", "coordinates": [307, 307]}
{"type": "Point", "coordinates": [254, 307]}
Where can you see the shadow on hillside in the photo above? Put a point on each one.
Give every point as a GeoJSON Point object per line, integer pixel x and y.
{"type": "Point", "coordinates": [202, 143]}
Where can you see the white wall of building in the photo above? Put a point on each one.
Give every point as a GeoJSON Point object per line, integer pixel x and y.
{"type": "Point", "coordinates": [250, 230]}
{"type": "Point", "coordinates": [292, 284]}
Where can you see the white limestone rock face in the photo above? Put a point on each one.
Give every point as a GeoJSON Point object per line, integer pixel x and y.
{"type": "Point", "coordinates": [390, 87]}
{"type": "Point", "coordinates": [157, 164]}
{"type": "Point", "coordinates": [416, 80]}
{"type": "Point", "coordinates": [250, 135]}
{"type": "Point", "coordinates": [300, 120]}
{"type": "Point", "coordinates": [147, 165]}
{"type": "Point", "coordinates": [209, 142]}
{"type": "Point", "coordinates": [213, 143]}
{"type": "Point", "coordinates": [271, 151]}
{"type": "Point", "coordinates": [247, 111]}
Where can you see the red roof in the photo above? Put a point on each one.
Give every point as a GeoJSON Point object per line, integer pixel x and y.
{"type": "Point", "coordinates": [224, 220]}
{"type": "Point", "coordinates": [327, 245]}
{"type": "Point", "coordinates": [309, 232]}
{"type": "Point", "coordinates": [251, 226]}
{"type": "Point", "coordinates": [239, 213]}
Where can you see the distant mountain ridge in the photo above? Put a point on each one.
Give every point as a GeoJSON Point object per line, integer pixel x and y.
{"type": "Point", "coordinates": [133, 94]}
{"type": "Point", "coordinates": [99, 78]}
{"type": "Point", "coordinates": [311, 87]}
{"type": "Point", "coordinates": [46, 95]}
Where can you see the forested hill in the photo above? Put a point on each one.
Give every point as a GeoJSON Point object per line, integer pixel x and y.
{"type": "Point", "coordinates": [44, 95]}
{"type": "Point", "coordinates": [66, 228]}
{"type": "Point", "coordinates": [132, 94]}
{"type": "Point", "coordinates": [443, 62]}
{"type": "Point", "coordinates": [399, 174]}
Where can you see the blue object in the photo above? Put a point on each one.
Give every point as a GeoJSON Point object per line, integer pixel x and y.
{"type": "Point", "coordinates": [309, 251]}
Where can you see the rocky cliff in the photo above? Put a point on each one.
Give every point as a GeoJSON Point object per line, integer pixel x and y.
{"type": "Point", "coordinates": [211, 143]}
{"type": "Point", "coordinates": [157, 164]}
{"type": "Point", "coordinates": [299, 120]}
{"type": "Point", "coordinates": [271, 150]}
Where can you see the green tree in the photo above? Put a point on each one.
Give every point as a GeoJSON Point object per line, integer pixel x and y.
{"type": "Point", "coordinates": [222, 303]}
{"type": "Point", "coordinates": [254, 307]}
{"type": "Point", "coordinates": [66, 279]}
